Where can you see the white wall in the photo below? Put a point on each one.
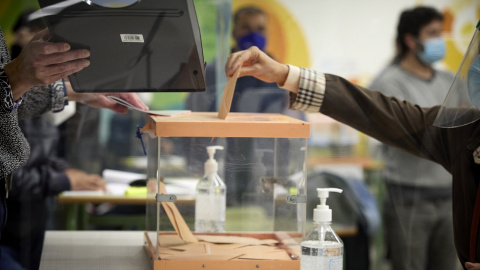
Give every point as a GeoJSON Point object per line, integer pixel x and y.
{"type": "Point", "coordinates": [355, 38]}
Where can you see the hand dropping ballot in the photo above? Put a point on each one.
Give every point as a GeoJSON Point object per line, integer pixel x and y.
{"type": "Point", "coordinates": [223, 111]}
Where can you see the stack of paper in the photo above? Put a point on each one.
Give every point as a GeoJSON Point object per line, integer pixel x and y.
{"type": "Point", "coordinates": [221, 247]}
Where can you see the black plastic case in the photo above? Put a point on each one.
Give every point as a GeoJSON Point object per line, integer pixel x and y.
{"type": "Point", "coordinates": [149, 46]}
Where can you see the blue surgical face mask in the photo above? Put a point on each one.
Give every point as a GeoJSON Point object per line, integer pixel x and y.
{"type": "Point", "coordinates": [433, 50]}
{"type": "Point", "coordinates": [473, 82]}
{"type": "Point", "coordinates": [252, 39]}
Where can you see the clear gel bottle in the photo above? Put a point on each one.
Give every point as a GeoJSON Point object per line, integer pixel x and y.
{"type": "Point", "coordinates": [210, 197]}
{"type": "Point", "coordinates": [322, 248]}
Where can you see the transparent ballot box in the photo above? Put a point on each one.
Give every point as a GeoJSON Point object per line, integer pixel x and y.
{"type": "Point", "coordinates": [225, 193]}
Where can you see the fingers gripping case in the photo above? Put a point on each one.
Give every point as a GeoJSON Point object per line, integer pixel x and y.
{"type": "Point", "coordinates": [142, 46]}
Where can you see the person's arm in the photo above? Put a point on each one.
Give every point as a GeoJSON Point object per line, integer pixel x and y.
{"type": "Point", "coordinates": [51, 177]}
{"type": "Point", "coordinates": [391, 121]}
{"type": "Point", "coordinates": [80, 180]}
{"type": "Point", "coordinates": [47, 175]}
{"type": "Point", "coordinates": [396, 123]}
{"type": "Point", "coordinates": [35, 74]}
{"type": "Point", "coordinates": [41, 99]}
{"type": "Point", "coordinates": [17, 76]}
{"type": "Point", "coordinates": [42, 63]}
{"type": "Point", "coordinates": [8, 104]}
{"type": "Point", "coordinates": [54, 97]}
{"type": "Point", "coordinates": [40, 177]}
{"type": "Point", "coordinates": [100, 100]}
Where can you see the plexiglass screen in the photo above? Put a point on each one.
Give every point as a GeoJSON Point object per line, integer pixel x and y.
{"type": "Point", "coordinates": [228, 185]}
{"type": "Point", "coordinates": [258, 175]}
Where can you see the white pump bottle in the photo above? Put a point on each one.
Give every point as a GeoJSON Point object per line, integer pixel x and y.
{"type": "Point", "coordinates": [322, 248]}
{"type": "Point", "coordinates": [210, 197]}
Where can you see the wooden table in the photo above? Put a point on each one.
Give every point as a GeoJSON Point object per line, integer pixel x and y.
{"type": "Point", "coordinates": [77, 217]}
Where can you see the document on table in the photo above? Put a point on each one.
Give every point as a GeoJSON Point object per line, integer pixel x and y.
{"type": "Point", "coordinates": [118, 182]}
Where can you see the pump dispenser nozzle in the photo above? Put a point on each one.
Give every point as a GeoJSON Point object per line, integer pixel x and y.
{"type": "Point", "coordinates": [211, 165]}
{"type": "Point", "coordinates": [323, 213]}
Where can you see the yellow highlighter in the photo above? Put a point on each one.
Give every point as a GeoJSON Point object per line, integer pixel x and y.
{"type": "Point", "coordinates": [136, 191]}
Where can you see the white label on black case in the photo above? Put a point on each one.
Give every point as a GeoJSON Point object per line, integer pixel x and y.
{"type": "Point", "coordinates": [132, 38]}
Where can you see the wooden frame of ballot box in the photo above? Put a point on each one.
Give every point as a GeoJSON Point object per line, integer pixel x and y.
{"type": "Point", "coordinates": [242, 125]}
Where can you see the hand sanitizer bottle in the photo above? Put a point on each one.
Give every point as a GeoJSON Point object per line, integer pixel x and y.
{"type": "Point", "coordinates": [210, 197]}
{"type": "Point", "coordinates": [322, 249]}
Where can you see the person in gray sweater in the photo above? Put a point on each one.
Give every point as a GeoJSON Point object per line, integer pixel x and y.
{"type": "Point", "coordinates": [417, 212]}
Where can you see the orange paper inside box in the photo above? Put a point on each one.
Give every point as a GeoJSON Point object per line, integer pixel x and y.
{"type": "Point", "coordinates": [251, 250]}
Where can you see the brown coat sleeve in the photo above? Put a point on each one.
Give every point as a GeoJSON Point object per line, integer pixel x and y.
{"type": "Point", "coordinates": [391, 121]}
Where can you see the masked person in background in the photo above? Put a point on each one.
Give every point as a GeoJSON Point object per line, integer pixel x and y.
{"type": "Point", "coordinates": [448, 134]}
{"type": "Point", "coordinates": [418, 206]}
{"type": "Point", "coordinates": [249, 29]}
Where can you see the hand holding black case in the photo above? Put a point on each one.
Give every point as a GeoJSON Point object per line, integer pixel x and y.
{"type": "Point", "coordinates": [148, 46]}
